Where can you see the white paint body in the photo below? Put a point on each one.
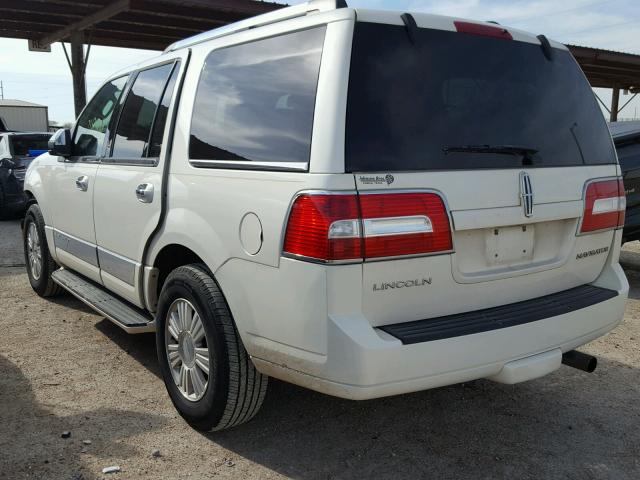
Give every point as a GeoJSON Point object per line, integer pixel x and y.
{"type": "Point", "coordinates": [317, 325]}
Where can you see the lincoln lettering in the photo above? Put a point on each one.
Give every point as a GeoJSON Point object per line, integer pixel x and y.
{"type": "Point", "coordinates": [377, 287]}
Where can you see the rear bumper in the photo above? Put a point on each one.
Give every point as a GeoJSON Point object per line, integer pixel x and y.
{"type": "Point", "coordinates": [511, 315]}
{"type": "Point", "coordinates": [364, 362]}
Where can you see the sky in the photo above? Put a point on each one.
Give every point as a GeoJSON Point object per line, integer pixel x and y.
{"type": "Point", "coordinates": [610, 24]}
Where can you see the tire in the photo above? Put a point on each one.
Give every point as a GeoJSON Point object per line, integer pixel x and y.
{"type": "Point", "coordinates": [234, 389]}
{"type": "Point", "coordinates": [40, 280]}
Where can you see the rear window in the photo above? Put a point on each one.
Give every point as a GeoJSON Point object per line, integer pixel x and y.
{"type": "Point", "coordinates": [255, 102]}
{"type": "Point", "coordinates": [29, 145]}
{"type": "Point", "coordinates": [430, 105]}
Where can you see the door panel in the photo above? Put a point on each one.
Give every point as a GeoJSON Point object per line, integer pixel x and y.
{"type": "Point", "coordinates": [74, 179]}
{"type": "Point", "coordinates": [123, 223]}
{"type": "Point", "coordinates": [127, 197]}
{"type": "Point", "coordinates": [74, 235]}
{"type": "Point", "coordinates": [73, 210]}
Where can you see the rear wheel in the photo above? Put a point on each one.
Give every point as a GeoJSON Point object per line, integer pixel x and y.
{"type": "Point", "coordinates": [40, 265]}
{"type": "Point", "coordinates": [206, 369]}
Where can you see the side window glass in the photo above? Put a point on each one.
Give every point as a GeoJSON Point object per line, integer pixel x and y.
{"type": "Point", "coordinates": [94, 121]}
{"type": "Point", "coordinates": [138, 113]}
{"type": "Point", "coordinates": [255, 102]}
{"type": "Point", "coordinates": [161, 117]}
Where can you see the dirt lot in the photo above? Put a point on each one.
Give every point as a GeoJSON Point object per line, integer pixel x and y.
{"type": "Point", "coordinates": [64, 368]}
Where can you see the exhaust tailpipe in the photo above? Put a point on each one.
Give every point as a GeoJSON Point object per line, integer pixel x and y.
{"type": "Point", "coordinates": [579, 360]}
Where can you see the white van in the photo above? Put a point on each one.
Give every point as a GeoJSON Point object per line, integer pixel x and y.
{"type": "Point", "coordinates": [363, 203]}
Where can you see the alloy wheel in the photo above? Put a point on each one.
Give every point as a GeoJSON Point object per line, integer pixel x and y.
{"type": "Point", "coordinates": [34, 251]}
{"type": "Point", "coordinates": [186, 349]}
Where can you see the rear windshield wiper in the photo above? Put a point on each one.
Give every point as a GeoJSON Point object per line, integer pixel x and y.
{"type": "Point", "coordinates": [525, 152]}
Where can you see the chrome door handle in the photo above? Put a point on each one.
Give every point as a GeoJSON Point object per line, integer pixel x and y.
{"type": "Point", "coordinates": [144, 192]}
{"type": "Point", "coordinates": [82, 183]}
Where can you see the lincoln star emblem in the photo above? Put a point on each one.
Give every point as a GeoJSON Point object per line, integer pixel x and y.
{"type": "Point", "coordinates": [526, 194]}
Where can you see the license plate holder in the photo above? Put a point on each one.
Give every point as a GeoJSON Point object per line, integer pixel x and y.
{"type": "Point", "coordinates": [509, 245]}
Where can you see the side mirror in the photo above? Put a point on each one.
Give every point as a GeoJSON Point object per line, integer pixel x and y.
{"type": "Point", "coordinates": [60, 143]}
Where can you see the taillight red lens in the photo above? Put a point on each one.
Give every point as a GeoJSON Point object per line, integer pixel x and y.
{"type": "Point", "coordinates": [604, 206]}
{"type": "Point", "coordinates": [482, 30]}
{"type": "Point", "coordinates": [324, 227]}
{"type": "Point", "coordinates": [404, 224]}
{"type": "Point", "coordinates": [354, 227]}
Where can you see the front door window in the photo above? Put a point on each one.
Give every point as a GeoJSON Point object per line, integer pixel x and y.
{"type": "Point", "coordinates": [94, 120]}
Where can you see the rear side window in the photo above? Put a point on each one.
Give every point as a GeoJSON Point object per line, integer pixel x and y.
{"type": "Point", "coordinates": [139, 113]}
{"type": "Point", "coordinates": [439, 102]}
{"type": "Point", "coordinates": [161, 117]}
{"type": "Point", "coordinates": [255, 102]}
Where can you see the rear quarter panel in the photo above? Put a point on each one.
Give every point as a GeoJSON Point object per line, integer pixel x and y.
{"type": "Point", "coordinates": [205, 207]}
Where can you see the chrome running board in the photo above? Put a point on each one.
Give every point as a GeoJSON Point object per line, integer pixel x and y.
{"type": "Point", "coordinates": [131, 319]}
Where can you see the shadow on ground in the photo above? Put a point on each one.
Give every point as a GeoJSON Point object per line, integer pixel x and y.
{"type": "Point", "coordinates": [560, 426]}
{"type": "Point", "coordinates": [67, 300]}
{"type": "Point", "coordinates": [141, 346]}
{"type": "Point", "coordinates": [22, 443]}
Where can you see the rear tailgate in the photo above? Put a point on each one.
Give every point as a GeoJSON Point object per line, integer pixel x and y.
{"type": "Point", "coordinates": [507, 133]}
{"type": "Point", "coordinates": [500, 255]}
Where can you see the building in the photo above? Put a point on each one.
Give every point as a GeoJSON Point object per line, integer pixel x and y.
{"type": "Point", "coordinates": [21, 116]}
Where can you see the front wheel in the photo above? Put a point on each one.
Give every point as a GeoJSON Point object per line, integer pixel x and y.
{"type": "Point", "coordinates": [206, 369]}
{"type": "Point", "coordinates": [40, 265]}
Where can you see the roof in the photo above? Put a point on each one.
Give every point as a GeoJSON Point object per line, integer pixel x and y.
{"type": "Point", "coordinates": [608, 69]}
{"type": "Point", "coordinates": [625, 130]}
{"type": "Point", "coordinates": [258, 21]}
{"type": "Point", "coordinates": [156, 24]}
{"type": "Point", "coordinates": [19, 103]}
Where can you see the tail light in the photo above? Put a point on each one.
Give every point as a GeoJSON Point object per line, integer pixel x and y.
{"type": "Point", "coordinates": [352, 227]}
{"type": "Point", "coordinates": [604, 206]}
{"type": "Point", "coordinates": [404, 224]}
{"type": "Point", "coordinates": [482, 30]}
{"type": "Point", "coordinates": [324, 227]}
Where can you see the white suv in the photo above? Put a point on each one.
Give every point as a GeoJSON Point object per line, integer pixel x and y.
{"type": "Point", "coordinates": [363, 203]}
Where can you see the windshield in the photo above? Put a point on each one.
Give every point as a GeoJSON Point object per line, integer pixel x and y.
{"type": "Point", "coordinates": [460, 101]}
{"type": "Point", "coordinates": [21, 145]}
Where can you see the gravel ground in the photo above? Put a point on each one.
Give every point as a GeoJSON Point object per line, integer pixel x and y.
{"type": "Point", "coordinates": [64, 368]}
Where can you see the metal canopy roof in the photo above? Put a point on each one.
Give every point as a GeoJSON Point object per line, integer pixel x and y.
{"type": "Point", "coordinates": [608, 69]}
{"type": "Point", "coordinates": [155, 24]}
{"type": "Point", "coordinates": [145, 24]}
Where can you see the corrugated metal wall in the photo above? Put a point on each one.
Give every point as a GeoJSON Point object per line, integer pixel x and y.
{"type": "Point", "coordinates": [25, 119]}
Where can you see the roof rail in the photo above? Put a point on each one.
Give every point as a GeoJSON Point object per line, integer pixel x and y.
{"type": "Point", "coordinates": [260, 20]}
